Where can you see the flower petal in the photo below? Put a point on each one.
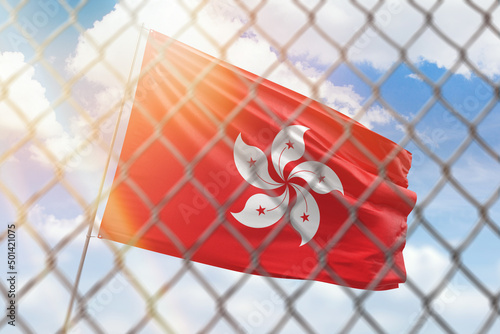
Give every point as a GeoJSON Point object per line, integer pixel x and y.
{"type": "Point", "coordinates": [321, 178]}
{"type": "Point", "coordinates": [252, 164]}
{"type": "Point", "coordinates": [288, 145]}
{"type": "Point", "coordinates": [305, 214]}
{"type": "Point", "coordinates": [262, 210]}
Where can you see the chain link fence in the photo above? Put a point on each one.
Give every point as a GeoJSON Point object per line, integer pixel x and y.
{"type": "Point", "coordinates": [54, 151]}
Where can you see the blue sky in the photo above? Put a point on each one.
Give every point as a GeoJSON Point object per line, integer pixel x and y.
{"type": "Point", "coordinates": [187, 307]}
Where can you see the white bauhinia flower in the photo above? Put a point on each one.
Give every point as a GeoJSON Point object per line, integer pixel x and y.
{"type": "Point", "coordinates": [262, 210]}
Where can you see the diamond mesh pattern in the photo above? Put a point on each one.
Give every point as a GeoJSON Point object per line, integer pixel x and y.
{"type": "Point", "coordinates": [285, 307]}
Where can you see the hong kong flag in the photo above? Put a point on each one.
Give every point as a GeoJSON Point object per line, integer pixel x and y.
{"type": "Point", "coordinates": [223, 167]}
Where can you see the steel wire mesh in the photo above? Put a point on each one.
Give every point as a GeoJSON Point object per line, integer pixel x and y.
{"type": "Point", "coordinates": [83, 318]}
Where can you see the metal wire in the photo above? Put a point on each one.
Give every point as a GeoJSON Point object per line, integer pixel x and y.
{"type": "Point", "coordinates": [84, 319]}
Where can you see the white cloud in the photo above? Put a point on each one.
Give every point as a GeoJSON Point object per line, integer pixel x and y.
{"type": "Point", "coordinates": [399, 20]}
{"type": "Point", "coordinates": [84, 140]}
{"type": "Point", "coordinates": [348, 102]}
{"type": "Point", "coordinates": [221, 21]}
{"type": "Point", "coordinates": [255, 304]}
{"type": "Point", "coordinates": [421, 261]}
{"type": "Point", "coordinates": [43, 316]}
{"type": "Point", "coordinates": [414, 76]}
{"type": "Point", "coordinates": [25, 100]}
{"type": "Point", "coordinates": [111, 69]}
{"type": "Point", "coordinates": [116, 35]}
{"type": "Point", "coordinates": [426, 265]}
{"type": "Point", "coordinates": [52, 228]}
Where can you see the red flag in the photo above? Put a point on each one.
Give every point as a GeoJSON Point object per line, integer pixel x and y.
{"type": "Point", "coordinates": [226, 168]}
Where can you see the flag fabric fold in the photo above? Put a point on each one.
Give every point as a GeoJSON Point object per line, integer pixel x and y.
{"type": "Point", "coordinates": [232, 170]}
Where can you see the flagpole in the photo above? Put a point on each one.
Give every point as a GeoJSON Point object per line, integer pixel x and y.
{"type": "Point", "coordinates": [98, 198]}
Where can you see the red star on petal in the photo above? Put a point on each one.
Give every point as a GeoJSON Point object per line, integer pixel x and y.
{"type": "Point", "coordinates": [289, 144]}
{"type": "Point", "coordinates": [321, 179]}
{"type": "Point", "coordinates": [261, 210]}
{"type": "Point", "coordinates": [252, 162]}
{"type": "Point", "coordinates": [304, 217]}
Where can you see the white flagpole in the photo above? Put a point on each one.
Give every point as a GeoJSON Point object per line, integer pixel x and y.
{"type": "Point", "coordinates": [98, 198]}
